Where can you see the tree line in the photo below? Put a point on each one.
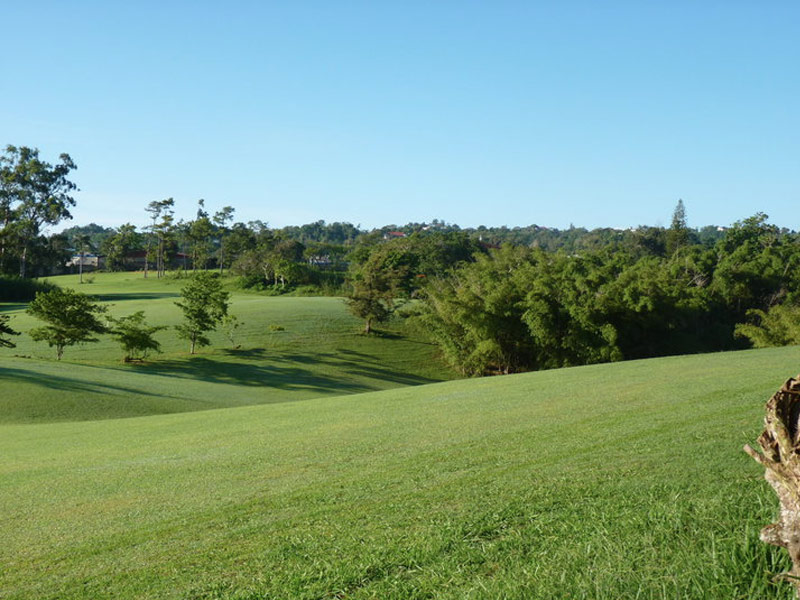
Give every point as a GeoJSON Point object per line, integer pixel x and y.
{"type": "Point", "coordinates": [495, 300]}
{"type": "Point", "coordinates": [519, 308]}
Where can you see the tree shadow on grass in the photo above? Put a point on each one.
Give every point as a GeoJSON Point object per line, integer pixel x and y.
{"type": "Point", "coordinates": [69, 384]}
{"type": "Point", "coordinates": [281, 377]}
{"type": "Point", "coordinates": [246, 353]}
{"type": "Point", "coordinates": [113, 297]}
{"type": "Point", "coordinates": [287, 371]}
{"type": "Point", "coordinates": [357, 364]}
{"type": "Point", "coordinates": [8, 306]}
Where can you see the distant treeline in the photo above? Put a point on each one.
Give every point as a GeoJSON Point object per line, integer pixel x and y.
{"type": "Point", "coordinates": [603, 296]}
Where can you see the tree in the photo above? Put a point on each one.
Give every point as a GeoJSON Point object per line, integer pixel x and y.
{"type": "Point", "coordinates": [135, 336]}
{"type": "Point", "coordinates": [82, 242]}
{"type": "Point", "coordinates": [162, 215]}
{"type": "Point", "coordinates": [375, 286]}
{"type": "Point", "coordinates": [4, 331]}
{"type": "Point", "coordinates": [779, 326]}
{"type": "Point", "coordinates": [204, 304]}
{"type": "Point", "coordinates": [118, 245]}
{"type": "Point", "coordinates": [221, 220]}
{"type": "Point", "coordinates": [200, 231]}
{"type": "Point", "coordinates": [780, 447]}
{"type": "Point", "coordinates": [231, 323]}
{"type": "Point", "coordinates": [71, 318]}
{"type": "Point", "coordinates": [33, 193]}
{"type": "Point", "coordinates": [678, 233]}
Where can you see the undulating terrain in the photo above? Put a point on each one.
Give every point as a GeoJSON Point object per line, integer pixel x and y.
{"type": "Point", "coordinates": [623, 480]}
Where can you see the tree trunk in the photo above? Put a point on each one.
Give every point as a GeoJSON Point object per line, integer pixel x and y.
{"type": "Point", "coordinates": [80, 266]}
{"type": "Point", "coordinates": [780, 443]}
{"type": "Point", "coordinates": [59, 352]}
{"type": "Point", "coordinates": [368, 325]}
{"type": "Point", "coordinates": [23, 261]}
{"type": "Point", "coordinates": [194, 340]}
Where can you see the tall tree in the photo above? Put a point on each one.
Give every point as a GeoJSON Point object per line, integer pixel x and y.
{"type": "Point", "coordinates": [161, 214]}
{"type": "Point", "coordinates": [82, 243]}
{"type": "Point", "coordinates": [678, 233]}
{"type": "Point", "coordinates": [221, 220]}
{"type": "Point", "coordinates": [33, 193]}
{"type": "Point", "coordinates": [204, 304]}
{"type": "Point", "coordinates": [117, 246]}
{"type": "Point", "coordinates": [71, 318]}
{"type": "Point", "coordinates": [200, 231]}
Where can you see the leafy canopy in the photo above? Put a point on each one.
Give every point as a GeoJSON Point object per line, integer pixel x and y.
{"type": "Point", "coordinates": [204, 304]}
{"type": "Point", "coordinates": [4, 331]}
{"type": "Point", "coordinates": [135, 336]}
{"type": "Point", "coordinates": [71, 318]}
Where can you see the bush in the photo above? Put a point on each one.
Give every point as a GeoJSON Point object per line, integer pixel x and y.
{"type": "Point", "coordinates": [19, 289]}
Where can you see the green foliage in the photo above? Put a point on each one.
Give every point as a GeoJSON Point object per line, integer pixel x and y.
{"type": "Point", "coordinates": [231, 324]}
{"type": "Point", "coordinates": [520, 310]}
{"type": "Point", "coordinates": [678, 232]}
{"type": "Point", "coordinates": [71, 318]}
{"type": "Point", "coordinates": [204, 304]}
{"type": "Point", "coordinates": [779, 326]}
{"type": "Point", "coordinates": [5, 330]}
{"type": "Point", "coordinates": [97, 234]}
{"type": "Point", "coordinates": [135, 336]}
{"type": "Point", "coordinates": [476, 316]}
{"type": "Point", "coordinates": [375, 285]}
{"type": "Point", "coordinates": [33, 193]}
{"type": "Point", "coordinates": [18, 289]}
{"type": "Point", "coordinates": [118, 245]}
{"type": "Point", "coordinates": [292, 349]}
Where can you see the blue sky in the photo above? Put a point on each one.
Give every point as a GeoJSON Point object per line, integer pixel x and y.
{"type": "Point", "coordinates": [496, 113]}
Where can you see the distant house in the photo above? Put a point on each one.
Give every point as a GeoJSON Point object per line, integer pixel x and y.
{"type": "Point", "coordinates": [391, 235]}
{"type": "Point", "coordinates": [90, 262]}
{"type": "Point", "coordinates": [135, 260]}
{"type": "Point", "coordinates": [320, 260]}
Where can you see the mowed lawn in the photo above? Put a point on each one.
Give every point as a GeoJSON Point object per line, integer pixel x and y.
{"type": "Point", "coordinates": [286, 349]}
{"type": "Point", "coordinates": [612, 481]}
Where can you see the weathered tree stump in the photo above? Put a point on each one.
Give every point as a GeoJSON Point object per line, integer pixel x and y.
{"type": "Point", "coordinates": [780, 443]}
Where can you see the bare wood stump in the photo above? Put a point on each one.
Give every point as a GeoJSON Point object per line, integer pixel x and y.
{"type": "Point", "coordinates": [780, 443]}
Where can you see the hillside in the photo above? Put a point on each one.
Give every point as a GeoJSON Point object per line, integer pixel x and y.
{"type": "Point", "coordinates": [624, 480]}
{"type": "Point", "coordinates": [288, 349]}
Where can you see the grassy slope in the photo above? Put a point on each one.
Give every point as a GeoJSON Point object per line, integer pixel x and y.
{"type": "Point", "coordinates": [611, 481]}
{"type": "Point", "coordinates": [319, 353]}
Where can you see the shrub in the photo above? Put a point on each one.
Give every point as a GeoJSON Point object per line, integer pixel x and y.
{"type": "Point", "coordinates": [19, 289]}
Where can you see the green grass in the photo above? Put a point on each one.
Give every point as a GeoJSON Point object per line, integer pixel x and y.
{"type": "Point", "coordinates": [603, 482]}
{"type": "Point", "coordinates": [319, 352]}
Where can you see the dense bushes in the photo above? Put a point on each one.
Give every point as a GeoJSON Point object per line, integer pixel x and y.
{"type": "Point", "coordinates": [519, 309]}
{"type": "Point", "coordinates": [19, 289]}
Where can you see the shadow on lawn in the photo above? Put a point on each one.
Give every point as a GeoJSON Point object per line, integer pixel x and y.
{"type": "Point", "coordinates": [8, 306]}
{"type": "Point", "coordinates": [289, 378]}
{"type": "Point", "coordinates": [357, 364]}
{"type": "Point", "coordinates": [285, 371]}
{"type": "Point", "coordinates": [134, 296]}
{"type": "Point", "coordinates": [68, 384]}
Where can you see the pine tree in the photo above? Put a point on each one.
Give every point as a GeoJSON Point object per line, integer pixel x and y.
{"type": "Point", "coordinates": [678, 233]}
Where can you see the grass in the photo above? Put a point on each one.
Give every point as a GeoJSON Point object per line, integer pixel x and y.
{"type": "Point", "coordinates": [289, 349]}
{"type": "Point", "coordinates": [612, 481]}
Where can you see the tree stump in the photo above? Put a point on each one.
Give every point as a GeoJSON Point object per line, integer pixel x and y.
{"type": "Point", "coordinates": [780, 443]}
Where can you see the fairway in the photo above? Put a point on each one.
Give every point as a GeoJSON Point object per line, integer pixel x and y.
{"type": "Point", "coordinates": [287, 349]}
{"type": "Point", "coordinates": [613, 481]}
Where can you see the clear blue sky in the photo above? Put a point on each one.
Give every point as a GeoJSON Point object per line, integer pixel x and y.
{"type": "Point", "coordinates": [592, 113]}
